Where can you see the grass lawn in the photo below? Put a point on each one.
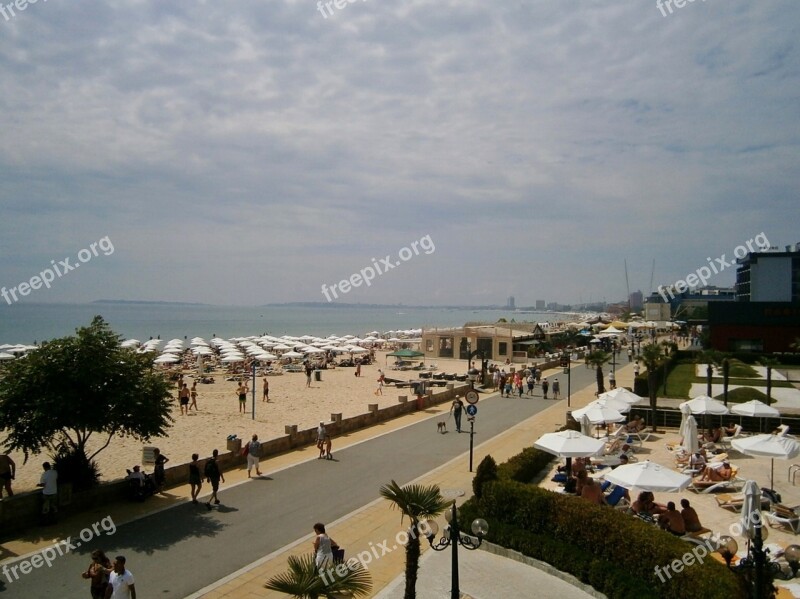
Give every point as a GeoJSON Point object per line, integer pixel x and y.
{"type": "Point", "coordinates": [683, 375]}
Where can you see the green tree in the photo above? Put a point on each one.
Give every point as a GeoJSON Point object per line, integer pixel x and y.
{"type": "Point", "coordinates": [597, 359]}
{"type": "Point", "coordinates": [419, 503]}
{"type": "Point", "coordinates": [61, 394]}
{"type": "Point", "coordinates": [303, 581]}
{"type": "Point", "coordinates": [769, 363]}
{"type": "Point", "coordinates": [653, 358]}
{"type": "Point", "coordinates": [711, 358]}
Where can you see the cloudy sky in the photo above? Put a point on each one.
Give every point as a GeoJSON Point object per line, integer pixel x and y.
{"type": "Point", "coordinates": [248, 152]}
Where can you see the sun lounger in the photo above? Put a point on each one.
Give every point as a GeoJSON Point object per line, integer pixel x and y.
{"type": "Point", "coordinates": [725, 442]}
{"type": "Point", "coordinates": [782, 515]}
{"type": "Point", "coordinates": [735, 501]}
{"type": "Point", "coordinates": [616, 498]}
{"type": "Point", "coordinates": [734, 483]}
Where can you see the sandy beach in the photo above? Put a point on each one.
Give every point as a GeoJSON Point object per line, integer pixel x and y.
{"type": "Point", "coordinates": [291, 402]}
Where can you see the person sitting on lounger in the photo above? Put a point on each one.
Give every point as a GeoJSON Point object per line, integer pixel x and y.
{"type": "Point", "coordinates": [635, 425]}
{"type": "Point", "coordinates": [592, 492]}
{"type": "Point", "coordinates": [713, 435]}
{"type": "Point", "coordinates": [645, 505]}
{"type": "Point", "coordinates": [730, 430]}
{"type": "Point", "coordinates": [716, 474]}
{"type": "Point", "coordinates": [672, 521]}
{"type": "Point", "coordinates": [690, 517]}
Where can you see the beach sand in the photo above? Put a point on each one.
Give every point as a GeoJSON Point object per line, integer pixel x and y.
{"type": "Point", "coordinates": [218, 417]}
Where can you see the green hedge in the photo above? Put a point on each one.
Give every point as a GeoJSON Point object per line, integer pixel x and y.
{"type": "Point", "coordinates": [603, 547]}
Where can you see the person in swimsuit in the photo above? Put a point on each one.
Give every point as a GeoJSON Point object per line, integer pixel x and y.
{"type": "Point", "coordinates": [195, 480]}
{"type": "Point", "coordinates": [266, 390]}
{"type": "Point", "coordinates": [193, 394]}
{"type": "Point", "coordinates": [241, 391]}
{"type": "Point", "coordinates": [183, 396]}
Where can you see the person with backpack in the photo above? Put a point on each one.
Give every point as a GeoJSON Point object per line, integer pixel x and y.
{"type": "Point", "coordinates": [253, 455]}
{"type": "Point", "coordinates": [213, 475]}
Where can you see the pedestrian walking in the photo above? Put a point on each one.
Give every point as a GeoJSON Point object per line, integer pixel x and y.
{"type": "Point", "coordinates": [323, 547]}
{"type": "Point", "coordinates": [253, 455]}
{"type": "Point", "coordinates": [49, 484]}
{"type": "Point", "coordinates": [214, 476]}
{"type": "Point", "coordinates": [455, 409]}
{"type": "Point", "coordinates": [183, 398]}
{"type": "Point", "coordinates": [556, 389]}
{"type": "Point", "coordinates": [531, 383]}
{"type": "Point", "coordinates": [193, 394]}
{"type": "Point", "coordinates": [195, 481]}
{"type": "Point", "coordinates": [538, 375]}
{"type": "Point", "coordinates": [545, 387]}
{"type": "Point", "coordinates": [158, 469]}
{"type": "Point", "coordinates": [321, 434]}
{"type": "Point", "coordinates": [358, 367]}
{"type": "Point", "coordinates": [266, 390]}
{"type": "Point", "coordinates": [241, 392]}
{"type": "Point", "coordinates": [98, 572]}
{"type": "Point", "coordinates": [120, 581]}
{"type": "Point", "coordinates": [309, 370]}
{"type": "Point", "coordinates": [328, 443]}
{"type": "Point", "coordinates": [381, 380]}
{"type": "Point", "coordinates": [8, 470]}
{"type": "Point", "coordinates": [612, 381]}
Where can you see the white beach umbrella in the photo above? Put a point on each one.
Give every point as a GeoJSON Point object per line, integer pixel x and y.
{"type": "Point", "coordinates": [6, 356]}
{"type": "Point", "coordinates": [686, 411]}
{"type": "Point", "coordinates": [609, 402]}
{"type": "Point", "coordinates": [292, 354]}
{"type": "Point", "coordinates": [586, 426]}
{"type": "Point", "coordinates": [648, 476]}
{"type": "Point", "coordinates": [569, 444]}
{"type": "Point", "coordinates": [751, 510]}
{"type": "Point", "coordinates": [358, 350]}
{"type": "Point", "coordinates": [755, 408]}
{"type": "Point", "coordinates": [599, 414]}
{"type": "Point", "coordinates": [691, 442]}
{"type": "Point", "coordinates": [233, 358]}
{"type": "Point", "coordinates": [281, 347]}
{"type": "Point", "coordinates": [314, 350]}
{"type": "Point", "coordinates": [622, 394]}
{"type": "Point", "coordinates": [167, 359]}
{"type": "Point", "coordinates": [768, 446]}
{"type": "Point", "coordinates": [703, 404]}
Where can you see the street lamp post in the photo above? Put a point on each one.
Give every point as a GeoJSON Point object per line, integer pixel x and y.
{"type": "Point", "coordinates": [473, 375]}
{"type": "Point", "coordinates": [451, 537]}
{"type": "Point", "coordinates": [566, 364]}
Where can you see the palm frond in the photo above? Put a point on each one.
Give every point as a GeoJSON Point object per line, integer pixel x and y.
{"type": "Point", "coordinates": [415, 501]}
{"type": "Point", "coordinates": [303, 580]}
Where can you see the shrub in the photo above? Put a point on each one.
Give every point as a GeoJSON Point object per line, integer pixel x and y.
{"type": "Point", "coordinates": [487, 471]}
{"type": "Point", "coordinates": [526, 466]}
{"type": "Point", "coordinates": [74, 467]}
{"type": "Point", "coordinates": [601, 546]}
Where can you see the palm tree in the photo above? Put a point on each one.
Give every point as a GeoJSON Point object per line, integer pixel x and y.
{"type": "Point", "coordinates": [769, 363]}
{"type": "Point", "coordinates": [710, 358]}
{"type": "Point", "coordinates": [597, 358]}
{"type": "Point", "coordinates": [653, 357]}
{"type": "Point", "coordinates": [419, 503]}
{"type": "Point", "coordinates": [303, 581]}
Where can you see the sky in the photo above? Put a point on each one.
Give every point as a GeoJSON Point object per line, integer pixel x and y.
{"type": "Point", "coordinates": [241, 153]}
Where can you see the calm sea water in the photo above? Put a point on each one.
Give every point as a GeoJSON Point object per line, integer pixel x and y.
{"type": "Point", "coordinates": [30, 322]}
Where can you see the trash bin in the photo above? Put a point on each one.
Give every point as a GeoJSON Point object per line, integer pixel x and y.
{"type": "Point", "coordinates": [317, 375]}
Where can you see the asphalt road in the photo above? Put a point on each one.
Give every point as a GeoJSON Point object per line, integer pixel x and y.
{"type": "Point", "coordinates": [183, 549]}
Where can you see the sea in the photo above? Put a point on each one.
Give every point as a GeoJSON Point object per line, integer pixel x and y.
{"type": "Point", "coordinates": [26, 323]}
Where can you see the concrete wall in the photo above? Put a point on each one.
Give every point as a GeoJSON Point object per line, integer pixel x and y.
{"type": "Point", "coordinates": [21, 511]}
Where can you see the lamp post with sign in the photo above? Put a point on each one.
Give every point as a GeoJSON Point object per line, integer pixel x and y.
{"type": "Point", "coordinates": [472, 410]}
{"type": "Point", "coordinates": [566, 364]}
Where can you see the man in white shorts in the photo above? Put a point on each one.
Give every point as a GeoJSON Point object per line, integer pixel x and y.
{"type": "Point", "coordinates": [253, 455]}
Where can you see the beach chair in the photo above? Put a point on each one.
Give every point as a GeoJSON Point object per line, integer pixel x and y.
{"type": "Point", "coordinates": [735, 501]}
{"type": "Point", "coordinates": [782, 515]}
{"type": "Point", "coordinates": [725, 442]}
{"type": "Point", "coordinates": [734, 483]}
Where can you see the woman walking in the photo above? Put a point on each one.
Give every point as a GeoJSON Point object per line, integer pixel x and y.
{"type": "Point", "coordinates": [322, 547]}
{"type": "Point", "coordinates": [97, 572]}
{"type": "Point", "coordinates": [195, 481]}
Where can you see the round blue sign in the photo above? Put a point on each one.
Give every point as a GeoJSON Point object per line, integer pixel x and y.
{"type": "Point", "coordinates": [472, 410]}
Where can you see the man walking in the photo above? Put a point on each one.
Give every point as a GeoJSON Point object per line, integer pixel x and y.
{"type": "Point", "coordinates": [545, 387]}
{"type": "Point", "coordinates": [120, 581]}
{"type": "Point", "coordinates": [213, 475]}
{"type": "Point", "coordinates": [253, 455]}
{"type": "Point", "coordinates": [455, 410]}
{"type": "Point", "coordinates": [556, 389]}
{"type": "Point", "coordinates": [49, 484]}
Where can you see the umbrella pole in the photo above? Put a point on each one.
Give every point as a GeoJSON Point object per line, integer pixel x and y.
{"type": "Point", "coordinates": [772, 474]}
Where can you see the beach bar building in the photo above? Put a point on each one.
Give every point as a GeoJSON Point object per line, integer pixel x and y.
{"type": "Point", "coordinates": [497, 342]}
